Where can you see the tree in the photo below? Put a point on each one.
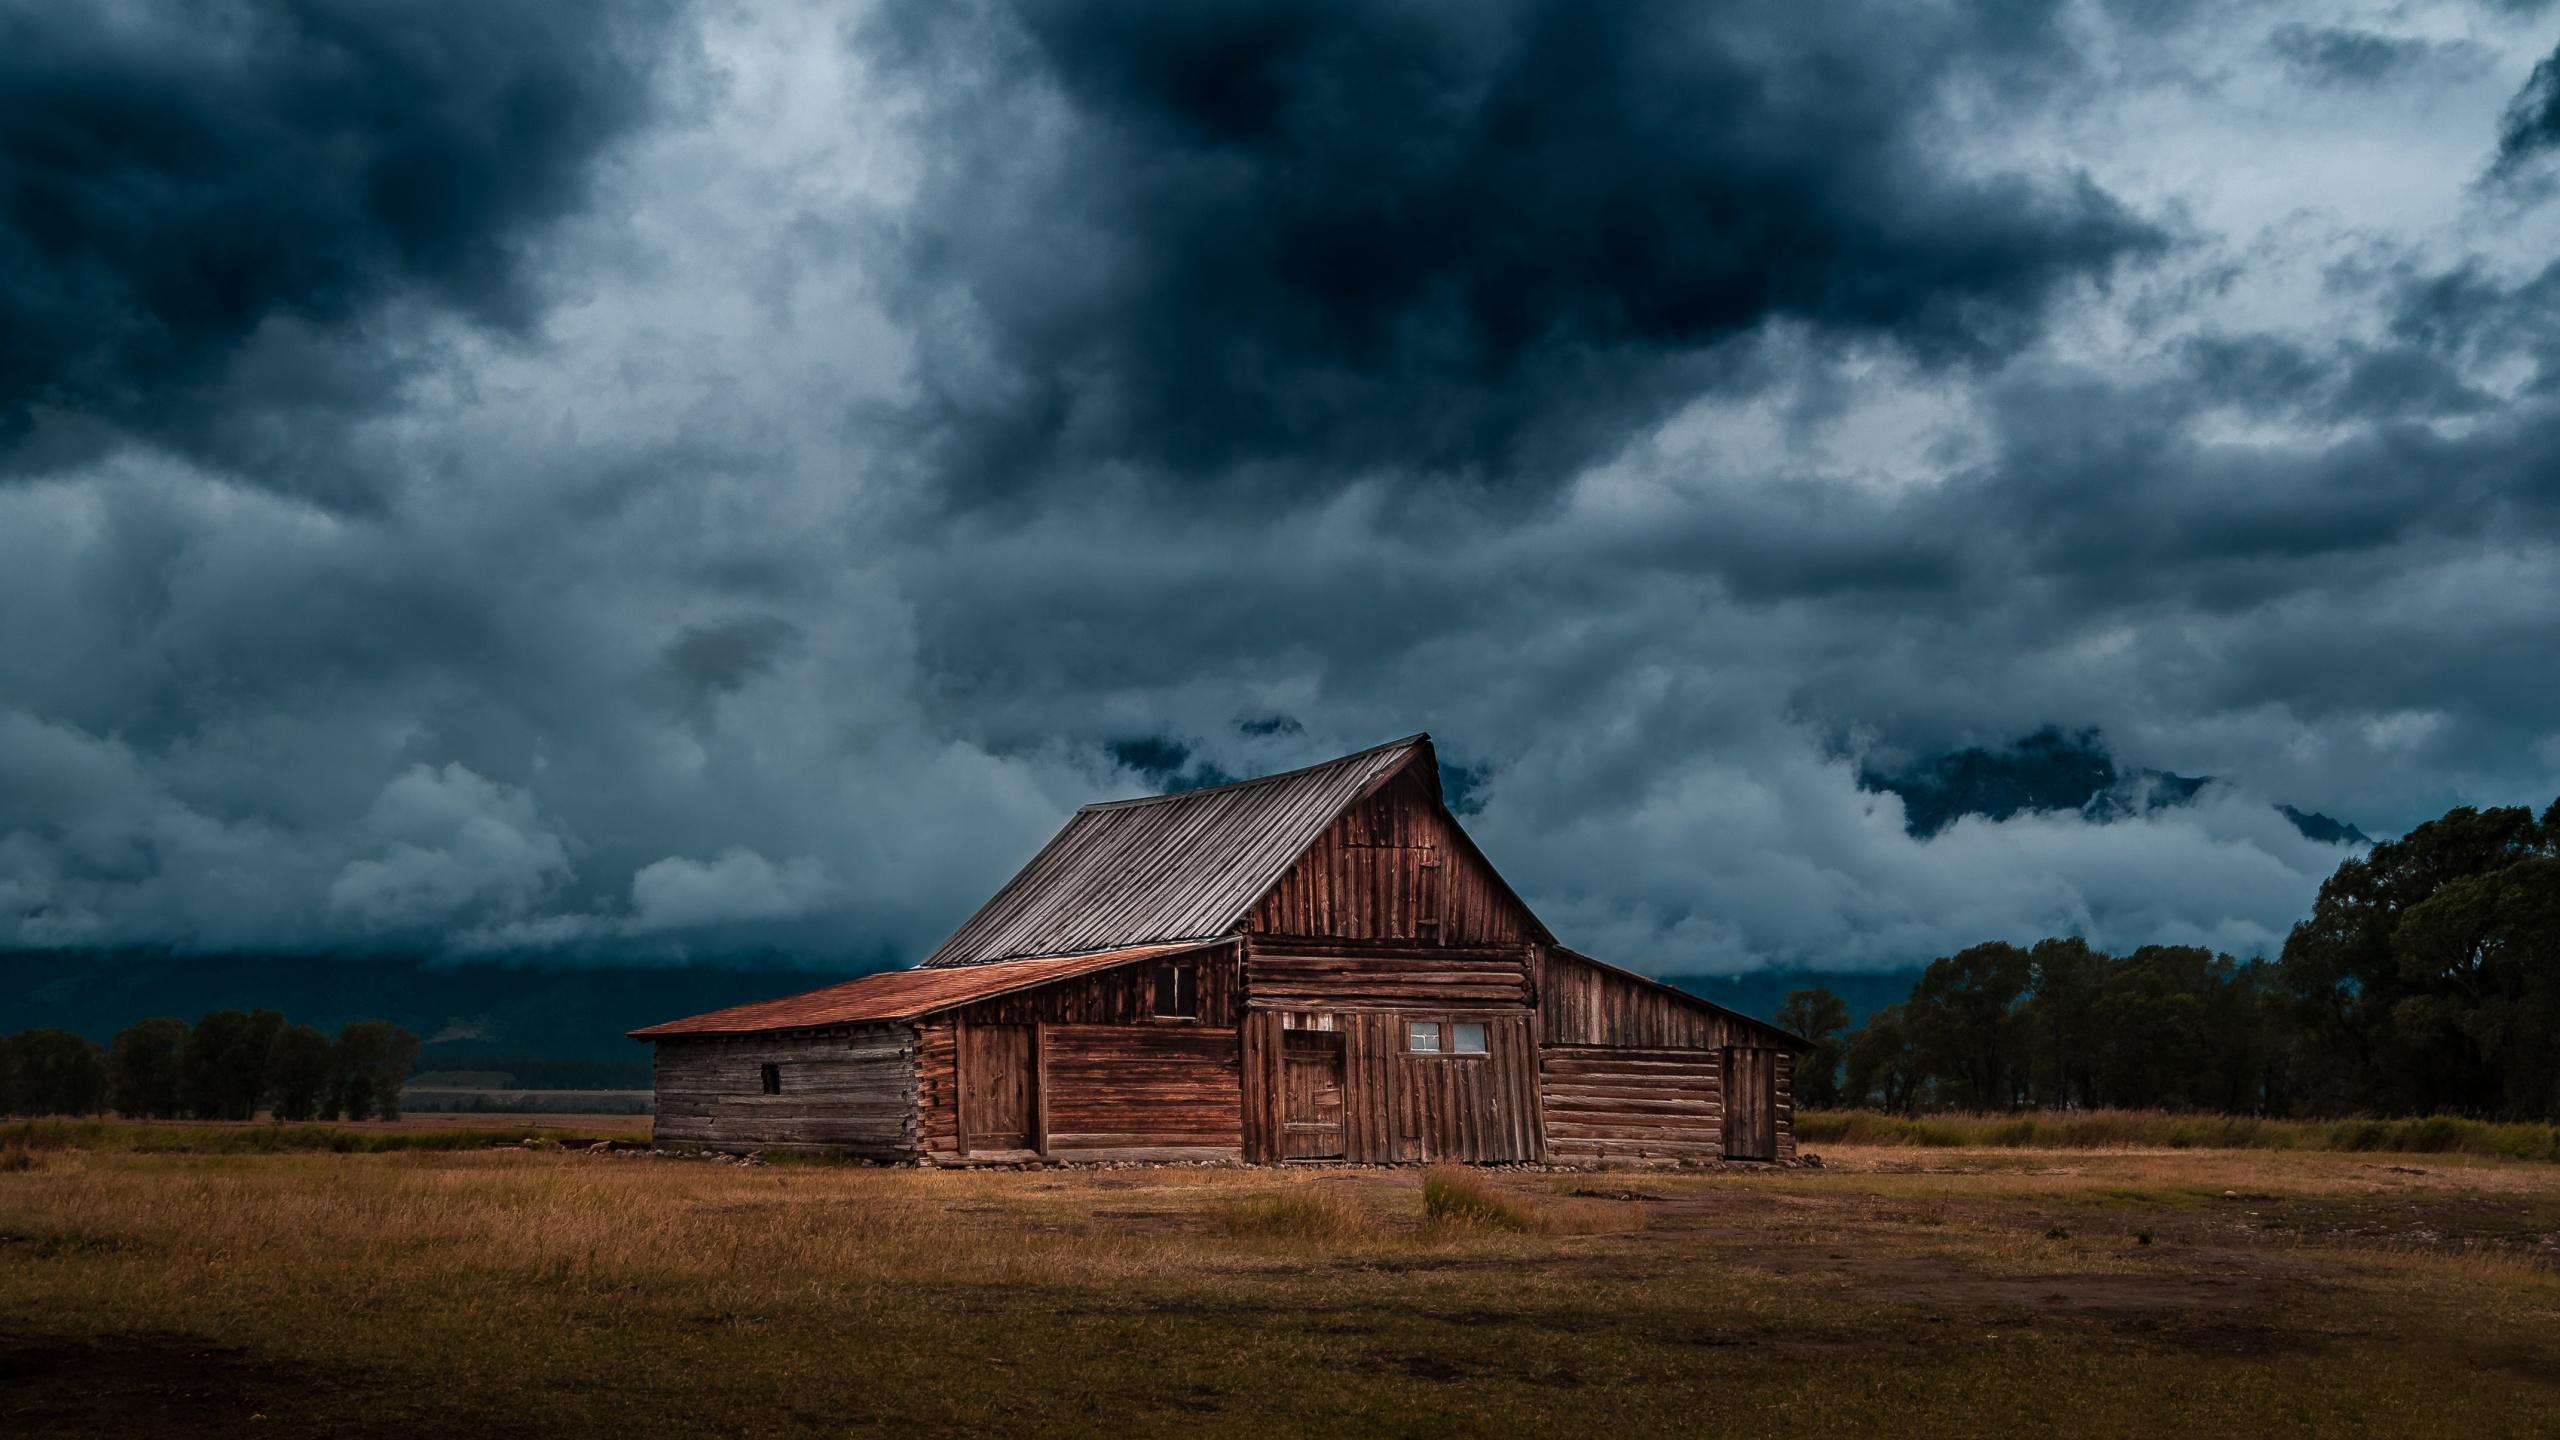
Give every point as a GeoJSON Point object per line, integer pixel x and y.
{"type": "Point", "coordinates": [1818, 1016]}
{"type": "Point", "coordinates": [224, 1067]}
{"type": "Point", "coordinates": [373, 1058]}
{"type": "Point", "coordinates": [1967, 1027]}
{"type": "Point", "coordinates": [2062, 1023]}
{"type": "Point", "coordinates": [59, 1073]}
{"type": "Point", "coordinates": [2154, 1012]}
{"type": "Point", "coordinates": [11, 1099]}
{"type": "Point", "coordinates": [143, 1069]}
{"type": "Point", "coordinates": [2376, 1032]}
{"type": "Point", "coordinates": [2481, 962]}
{"type": "Point", "coordinates": [302, 1074]}
{"type": "Point", "coordinates": [1882, 1069]}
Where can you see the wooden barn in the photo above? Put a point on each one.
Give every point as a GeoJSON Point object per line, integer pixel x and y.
{"type": "Point", "coordinates": [1318, 965]}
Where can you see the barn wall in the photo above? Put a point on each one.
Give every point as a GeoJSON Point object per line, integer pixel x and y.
{"type": "Point", "coordinates": [1113, 1080]}
{"type": "Point", "coordinates": [1319, 975]}
{"type": "Point", "coordinates": [1786, 1105]}
{"type": "Point", "coordinates": [1583, 1004]}
{"type": "Point", "coordinates": [1394, 868]}
{"type": "Point", "coordinates": [1123, 995]}
{"type": "Point", "coordinates": [851, 1089]}
{"type": "Point", "coordinates": [1122, 1088]}
{"type": "Point", "coordinates": [1399, 1107]}
{"type": "Point", "coordinates": [1608, 1103]}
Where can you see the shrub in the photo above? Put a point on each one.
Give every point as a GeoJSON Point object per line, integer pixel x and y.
{"type": "Point", "coordinates": [1308, 1216]}
{"type": "Point", "coordinates": [2089, 1129]}
{"type": "Point", "coordinates": [1452, 1196]}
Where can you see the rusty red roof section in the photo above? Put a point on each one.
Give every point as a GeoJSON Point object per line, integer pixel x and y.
{"type": "Point", "coordinates": [908, 994]}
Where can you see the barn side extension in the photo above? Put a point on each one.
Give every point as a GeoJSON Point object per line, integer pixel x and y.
{"type": "Point", "coordinates": [1318, 965]}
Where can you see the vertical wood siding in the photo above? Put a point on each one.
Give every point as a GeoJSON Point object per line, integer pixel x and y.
{"type": "Point", "coordinates": [1584, 1004]}
{"type": "Point", "coordinates": [1121, 996]}
{"type": "Point", "coordinates": [1394, 868]}
{"type": "Point", "coordinates": [1109, 1077]}
{"type": "Point", "coordinates": [850, 1089]}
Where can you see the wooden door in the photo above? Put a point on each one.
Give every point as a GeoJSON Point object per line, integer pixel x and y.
{"type": "Point", "coordinates": [1750, 1104]}
{"type": "Point", "coordinates": [999, 1096]}
{"type": "Point", "coordinates": [1310, 1095]}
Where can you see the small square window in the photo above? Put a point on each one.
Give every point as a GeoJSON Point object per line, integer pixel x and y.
{"type": "Point", "coordinates": [1466, 1039]}
{"type": "Point", "coordinates": [1422, 1037]}
{"type": "Point", "coordinates": [1178, 992]}
{"type": "Point", "coordinates": [773, 1079]}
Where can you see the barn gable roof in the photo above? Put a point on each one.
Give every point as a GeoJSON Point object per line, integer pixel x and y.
{"type": "Point", "coordinates": [1168, 867]}
{"type": "Point", "coordinates": [902, 995]}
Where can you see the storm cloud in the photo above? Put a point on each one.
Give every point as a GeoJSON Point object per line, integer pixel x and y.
{"type": "Point", "coordinates": [1469, 240]}
{"type": "Point", "coordinates": [689, 483]}
{"type": "Point", "coordinates": [183, 188]}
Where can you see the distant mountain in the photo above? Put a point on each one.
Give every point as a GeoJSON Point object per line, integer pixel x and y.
{"type": "Point", "coordinates": [547, 1027]}
{"type": "Point", "coordinates": [2052, 770]}
{"type": "Point", "coordinates": [1759, 993]}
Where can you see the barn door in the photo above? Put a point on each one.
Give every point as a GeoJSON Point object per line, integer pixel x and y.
{"type": "Point", "coordinates": [1750, 1104]}
{"type": "Point", "coordinates": [1310, 1094]}
{"type": "Point", "coordinates": [998, 1088]}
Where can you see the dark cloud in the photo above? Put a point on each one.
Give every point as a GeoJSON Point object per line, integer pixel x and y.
{"type": "Point", "coordinates": [201, 204]}
{"type": "Point", "coordinates": [1684, 415]}
{"type": "Point", "coordinates": [1481, 241]}
{"type": "Point", "coordinates": [712, 660]}
{"type": "Point", "coordinates": [2338, 55]}
{"type": "Point", "coordinates": [2531, 127]}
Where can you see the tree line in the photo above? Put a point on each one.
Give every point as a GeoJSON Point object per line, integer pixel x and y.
{"type": "Point", "coordinates": [2426, 980]}
{"type": "Point", "coordinates": [229, 1065]}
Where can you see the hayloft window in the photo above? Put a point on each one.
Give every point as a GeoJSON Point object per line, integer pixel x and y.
{"type": "Point", "coordinates": [1177, 992]}
{"type": "Point", "coordinates": [1422, 1037]}
{"type": "Point", "coordinates": [773, 1079]}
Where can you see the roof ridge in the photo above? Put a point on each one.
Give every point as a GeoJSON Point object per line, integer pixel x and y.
{"type": "Point", "coordinates": [1416, 737]}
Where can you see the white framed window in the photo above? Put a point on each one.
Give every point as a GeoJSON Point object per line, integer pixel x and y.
{"type": "Point", "coordinates": [1445, 1037]}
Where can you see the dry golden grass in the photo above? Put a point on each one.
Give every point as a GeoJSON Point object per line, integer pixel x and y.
{"type": "Point", "coordinates": [1993, 1292]}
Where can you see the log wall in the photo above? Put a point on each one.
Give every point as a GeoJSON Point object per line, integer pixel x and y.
{"type": "Point", "coordinates": [1605, 1103]}
{"type": "Point", "coordinates": [852, 1089]}
{"type": "Point", "coordinates": [1318, 975]}
{"type": "Point", "coordinates": [1394, 868]}
{"type": "Point", "coordinates": [1125, 1088]}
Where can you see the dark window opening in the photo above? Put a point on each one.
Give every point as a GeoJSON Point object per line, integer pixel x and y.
{"type": "Point", "coordinates": [773, 1079]}
{"type": "Point", "coordinates": [1178, 992]}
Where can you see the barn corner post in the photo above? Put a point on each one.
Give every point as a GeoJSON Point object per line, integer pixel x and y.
{"type": "Point", "coordinates": [1040, 1088]}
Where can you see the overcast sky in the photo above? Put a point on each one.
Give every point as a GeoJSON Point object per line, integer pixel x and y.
{"type": "Point", "coordinates": [681, 481]}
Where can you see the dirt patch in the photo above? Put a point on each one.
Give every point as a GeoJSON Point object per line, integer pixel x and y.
{"type": "Point", "coordinates": [2101, 1295]}
{"type": "Point", "coordinates": [157, 1383]}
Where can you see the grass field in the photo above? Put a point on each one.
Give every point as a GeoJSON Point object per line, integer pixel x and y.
{"type": "Point", "coordinates": [1897, 1289]}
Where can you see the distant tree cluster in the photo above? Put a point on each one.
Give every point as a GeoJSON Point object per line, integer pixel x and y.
{"type": "Point", "coordinates": [229, 1065]}
{"type": "Point", "coordinates": [2426, 980]}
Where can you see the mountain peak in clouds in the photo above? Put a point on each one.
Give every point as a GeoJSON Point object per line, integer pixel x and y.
{"type": "Point", "coordinates": [2050, 771]}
